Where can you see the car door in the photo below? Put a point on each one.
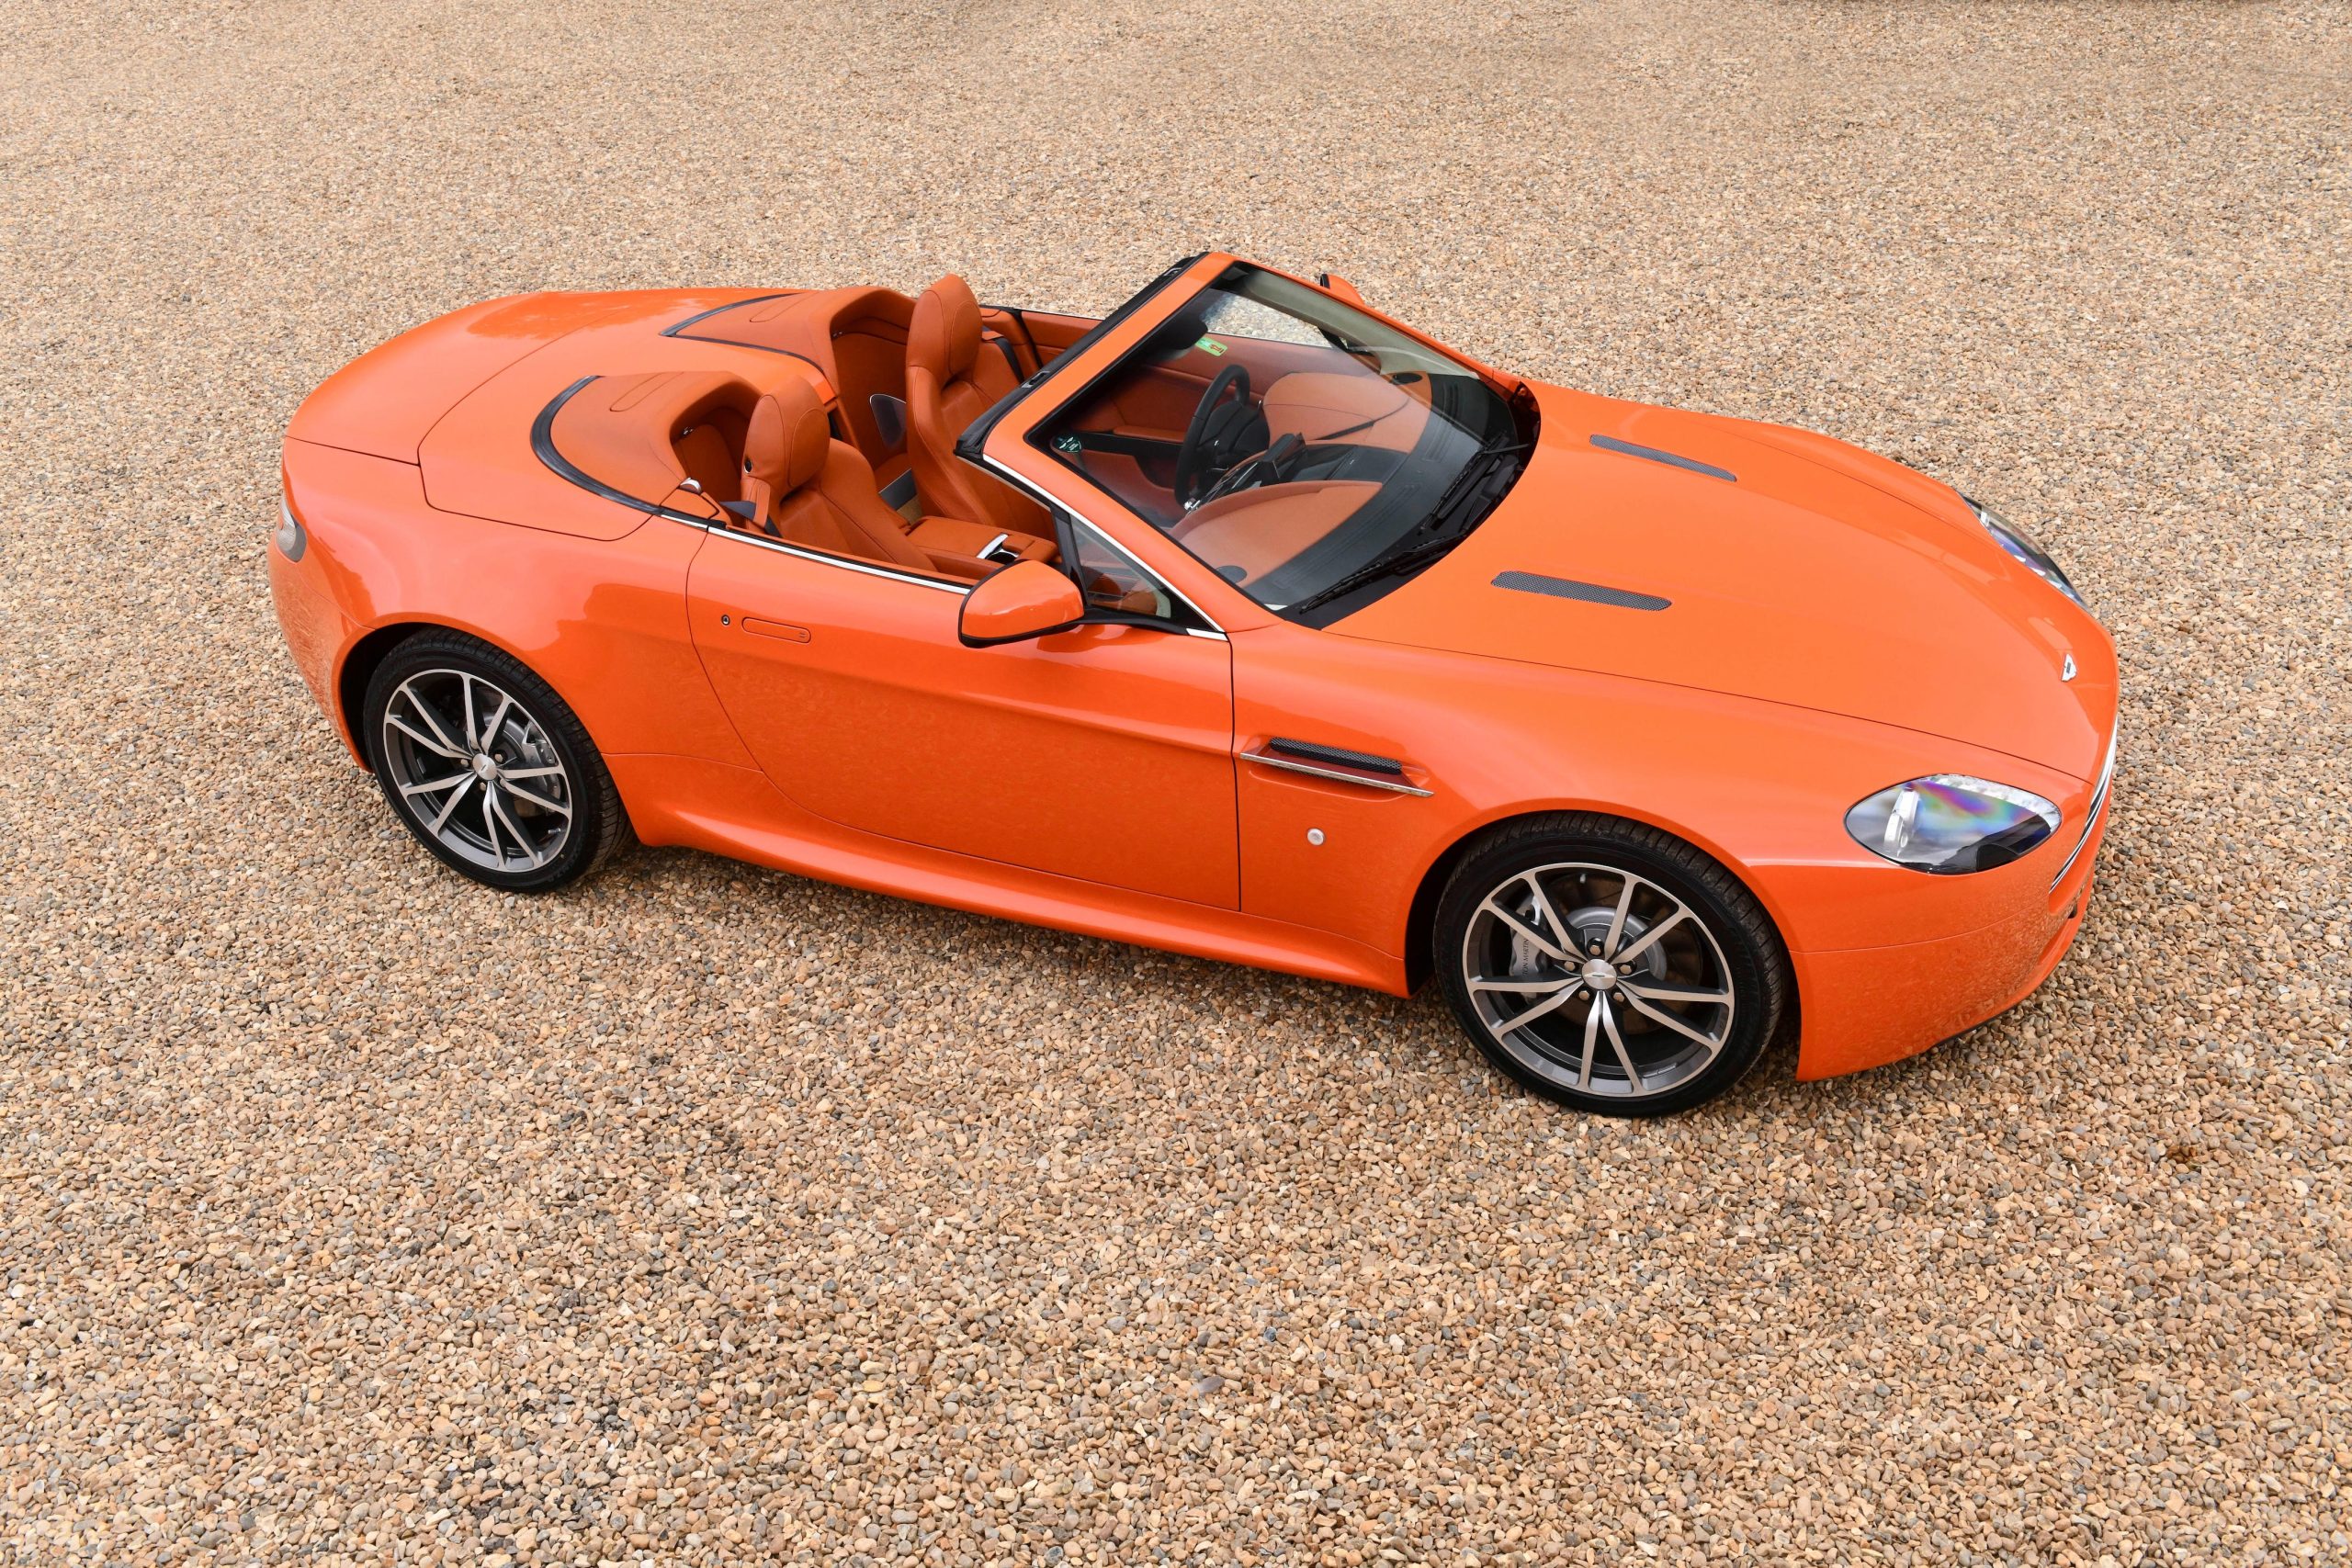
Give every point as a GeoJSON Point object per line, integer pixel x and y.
{"type": "Point", "coordinates": [1103, 753]}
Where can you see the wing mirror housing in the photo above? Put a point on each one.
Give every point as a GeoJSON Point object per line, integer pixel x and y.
{"type": "Point", "coordinates": [1338, 287]}
{"type": "Point", "coordinates": [1028, 600]}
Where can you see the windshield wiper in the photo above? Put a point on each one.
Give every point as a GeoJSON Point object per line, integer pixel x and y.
{"type": "Point", "coordinates": [1448, 522]}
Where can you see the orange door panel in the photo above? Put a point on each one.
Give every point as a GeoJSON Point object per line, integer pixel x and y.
{"type": "Point", "coordinates": [1103, 753]}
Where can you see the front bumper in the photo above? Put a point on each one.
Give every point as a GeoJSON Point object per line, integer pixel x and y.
{"type": "Point", "coordinates": [317, 632]}
{"type": "Point", "coordinates": [1866, 1006]}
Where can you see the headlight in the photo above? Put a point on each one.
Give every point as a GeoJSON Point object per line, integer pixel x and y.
{"type": "Point", "coordinates": [1950, 823]}
{"type": "Point", "coordinates": [2015, 540]}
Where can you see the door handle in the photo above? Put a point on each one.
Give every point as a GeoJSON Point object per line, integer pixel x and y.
{"type": "Point", "coordinates": [1332, 762]}
{"type": "Point", "coordinates": [783, 630]}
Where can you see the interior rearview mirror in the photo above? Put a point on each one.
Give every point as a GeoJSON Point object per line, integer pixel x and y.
{"type": "Point", "coordinates": [1026, 601]}
{"type": "Point", "coordinates": [1339, 285]}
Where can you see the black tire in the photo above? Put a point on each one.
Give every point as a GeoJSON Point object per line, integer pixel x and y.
{"type": "Point", "coordinates": [545, 804]}
{"type": "Point", "coordinates": [1624, 1029]}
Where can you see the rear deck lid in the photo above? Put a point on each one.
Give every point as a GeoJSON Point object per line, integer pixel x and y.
{"type": "Point", "coordinates": [383, 402]}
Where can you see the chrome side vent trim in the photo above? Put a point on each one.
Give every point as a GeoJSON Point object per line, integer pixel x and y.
{"type": "Point", "coordinates": [1330, 763]}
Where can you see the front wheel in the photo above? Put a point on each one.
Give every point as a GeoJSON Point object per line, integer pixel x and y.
{"type": "Point", "coordinates": [487, 767]}
{"type": "Point", "coordinates": [1608, 966]}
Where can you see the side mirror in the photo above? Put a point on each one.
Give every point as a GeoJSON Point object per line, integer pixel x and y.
{"type": "Point", "coordinates": [1030, 599]}
{"type": "Point", "coordinates": [1339, 287]}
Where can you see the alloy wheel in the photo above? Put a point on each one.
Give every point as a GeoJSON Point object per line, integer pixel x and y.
{"type": "Point", "coordinates": [477, 771]}
{"type": "Point", "coordinates": [1599, 980]}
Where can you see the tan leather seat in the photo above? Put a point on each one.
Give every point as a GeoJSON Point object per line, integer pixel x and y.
{"type": "Point", "coordinates": [807, 489]}
{"type": "Point", "coordinates": [950, 383]}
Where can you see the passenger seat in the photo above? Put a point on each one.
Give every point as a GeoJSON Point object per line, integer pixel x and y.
{"type": "Point", "coordinates": [950, 383]}
{"type": "Point", "coordinates": [807, 489]}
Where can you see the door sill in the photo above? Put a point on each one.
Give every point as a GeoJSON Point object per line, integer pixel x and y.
{"type": "Point", "coordinates": [740, 813]}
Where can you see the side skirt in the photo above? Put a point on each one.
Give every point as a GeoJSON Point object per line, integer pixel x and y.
{"type": "Point", "coordinates": [740, 813]}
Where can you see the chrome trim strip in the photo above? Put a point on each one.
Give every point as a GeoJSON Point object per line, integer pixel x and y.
{"type": "Point", "coordinates": [1052, 502]}
{"type": "Point", "coordinates": [1288, 765]}
{"type": "Point", "coordinates": [821, 559]}
{"type": "Point", "coordinates": [2090, 817]}
{"type": "Point", "coordinates": [712, 525]}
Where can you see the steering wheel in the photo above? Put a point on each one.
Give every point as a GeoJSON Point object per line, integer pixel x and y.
{"type": "Point", "coordinates": [1270, 467]}
{"type": "Point", "coordinates": [1200, 448]}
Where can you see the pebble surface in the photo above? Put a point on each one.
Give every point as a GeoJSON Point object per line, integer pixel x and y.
{"type": "Point", "coordinates": [350, 1213]}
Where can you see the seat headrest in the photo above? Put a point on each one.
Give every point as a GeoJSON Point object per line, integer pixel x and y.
{"type": "Point", "coordinates": [945, 336]}
{"type": "Point", "coordinates": [783, 447]}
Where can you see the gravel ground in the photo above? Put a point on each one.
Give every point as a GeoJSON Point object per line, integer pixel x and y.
{"type": "Point", "coordinates": [351, 1213]}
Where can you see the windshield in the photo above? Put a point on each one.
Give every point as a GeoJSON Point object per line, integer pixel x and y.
{"type": "Point", "coordinates": [1307, 453]}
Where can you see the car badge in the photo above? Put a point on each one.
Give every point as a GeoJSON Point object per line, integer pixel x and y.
{"type": "Point", "coordinates": [2066, 671]}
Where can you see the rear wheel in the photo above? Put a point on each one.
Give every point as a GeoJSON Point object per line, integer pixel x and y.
{"type": "Point", "coordinates": [487, 767]}
{"type": "Point", "coordinates": [1609, 966]}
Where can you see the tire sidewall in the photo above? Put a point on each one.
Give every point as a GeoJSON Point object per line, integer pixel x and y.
{"type": "Point", "coordinates": [1754, 1012]}
{"type": "Point", "coordinates": [556, 720]}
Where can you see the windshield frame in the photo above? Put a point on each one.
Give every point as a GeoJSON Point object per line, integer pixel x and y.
{"type": "Point", "coordinates": [1009, 438]}
{"type": "Point", "coordinates": [973, 443]}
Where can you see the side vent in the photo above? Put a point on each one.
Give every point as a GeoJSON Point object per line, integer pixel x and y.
{"type": "Point", "coordinates": [1307, 751]}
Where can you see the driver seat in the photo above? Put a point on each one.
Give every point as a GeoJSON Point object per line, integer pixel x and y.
{"type": "Point", "coordinates": [950, 383]}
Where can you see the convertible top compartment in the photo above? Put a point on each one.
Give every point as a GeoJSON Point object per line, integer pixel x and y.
{"type": "Point", "coordinates": [383, 402]}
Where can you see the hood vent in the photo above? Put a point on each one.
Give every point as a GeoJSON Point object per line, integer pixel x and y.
{"type": "Point", "coordinates": [1584, 593]}
{"type": "Point", "coordinates": [1671, 459]}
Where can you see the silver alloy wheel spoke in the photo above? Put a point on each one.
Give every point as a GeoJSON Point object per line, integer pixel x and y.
{"type": "Point", "coordinates": [490, 730]}
{"type": "Point", "coordinates": [449, 806]}
{"type": "Point", "coordinates": [1665, 991]}
{"type": "Point", "coordinates": [433, 722]}
{"type": "Point", "coordinates": [426, 742]}
{"type": "Point", "coordinates": [1591, 1040]}
{"type": "Point", "coordinates": [1549, 916]}
{"type": "Point", "coordinates": [1543, 944]}
{"type": "Point", "coordinates": [521, 842]}
{"type": "Point", "coordinates": [489, 825]}
{"type": "Point", "coordinates": [1608, 1023]}
{"type": "Point", "coordinates": [1524, 988]}
{"type": "Point", "coordinates": [540, 801]}
{"type": "Point", "coordinates": [466, 683]}
{"type": "Point", "coordinates": [1660, 1015]}
{"type": "Point", "coordinates": [1617, 918]}
{"type": "Point", "coordinates": [529, 772]}
{"type": "Point", "coordinates": [434, 786]}
{"type": "Point", "coordinates": [1650, 937]}
{"type": "Point", "coordinates": [1549, 1004]}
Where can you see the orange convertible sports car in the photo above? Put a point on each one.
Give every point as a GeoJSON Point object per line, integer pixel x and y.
{"type": "Point", "coordinates": [1246, 622]}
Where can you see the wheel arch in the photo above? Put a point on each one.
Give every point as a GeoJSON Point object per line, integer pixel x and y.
{"type": "Point", "coordinates": [1421, 913]}
{"type": "Point", "coordinates": [368, 653]}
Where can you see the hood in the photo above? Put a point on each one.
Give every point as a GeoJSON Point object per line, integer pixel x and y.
{"type": "Point", "coordinates": [1763, 562]}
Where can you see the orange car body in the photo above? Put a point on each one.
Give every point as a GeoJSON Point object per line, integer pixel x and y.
{"type": "Point", "coordinates": [1838, 623]}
